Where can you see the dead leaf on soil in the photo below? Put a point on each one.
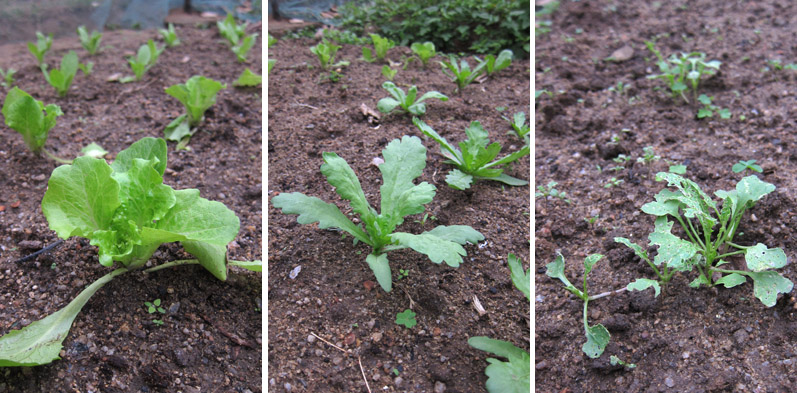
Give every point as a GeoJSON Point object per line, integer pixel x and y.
{"type": "Point", "coordinates": [15, 204]}
{"type": "Point", "coordinates": [369, 285]}
{"type": "Point", "coordinates": [370, 115]}
{"type": "Point", "coordinates": [349, 340]}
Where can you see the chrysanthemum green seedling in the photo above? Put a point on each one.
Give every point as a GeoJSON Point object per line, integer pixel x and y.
{"type": "Point", "coordinates": [61, 79]}
{"type": "Point", "coordinates": [407, 102]}
{"type": "Point", "coordinates": [512, 376]}
{"type": "Point", "coordinates": [473, 162]}
{"type": "Point", "coordinates": [677, 71]}
{"type": "Point", "coordinates": [423, 51]}
{"type": "Point", "coordinates": [169, 36]}
{"type": "Point", "coordinates": [742, 165]}
{"type": "Point", "coordinates": [549, 190]}
{"type": "Point", "coordinates": [381, 46]}
{"type": "Point", "coordinates": [520, 126]}
{"type": "Point", "coordinates": [197, 94]}
{"type": "Point", "coordinates": [705, 249]}
{"type": "Point", "coordinates": [127, 212]}
{"type": "Point", "coordinates": [90, 42]}
{"type": "Point", "coordinates": [461, 74]}
{"type": "Point", "coordinates": [493, 64]}
{"type": "Point", "coordinates": [404, 160]}
{"type": "Point", "coordinates": [40, 48]}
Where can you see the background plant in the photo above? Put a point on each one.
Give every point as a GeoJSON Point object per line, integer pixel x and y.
{"type": "Point", "coordinates": [381, 46]}
{"type": "Point", "coordinates": [423, 51]}
{"type": "Point", "coordinates": [705, 249]}
{"type": "Point", "coordinates": [169, 36]}
{"type": "Point", "coordinates": [7, 77]}
{"type": "Point", "coordinates": [742, 165]}
{"type": "Point", "coordinates": [90, 42]}
{"type": "Point", "coordinates": [197, 94]}
{"type": "Point", "coordinates": [325, 52]}
{"type": "Point", "coordinates": [550, 190]}
{"type": "Point", "coordinates": [230, 30]}
{"type": "Point", "coordinates": [145, 58]}
{"type": "Point", "coordinates": [32, 119]}
{"type": "Point", "coordinates": [404, 160]}
{"type": "Point", "coordinates": [493, 64]}
{"type": "Point", "coordinates": [407, 102]}
{"type": "Point", "coordinates": [40, 48]}
{"type": "Point", "coordinates": [61, 79]}
{"type": "Point", "coordinates": [473, 161]}
{"type": "Point", "coordinates": [461, 74]}
{"type": "Point", "coordinates": [242, 48]}
{"type": "Point", "coordinates": [520, 126]}
{"type": "Point", "coordinates": [677, 70]}
{"type": "Point", "coordinates": [708, 108]}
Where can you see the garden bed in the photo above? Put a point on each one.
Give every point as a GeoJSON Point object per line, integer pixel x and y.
{"type": "Point", "coordinates": [211, 333]}
{"type": "Point", "coordinates": [329, 297]}
{"type": "Point", "coordinates": [687, 340]}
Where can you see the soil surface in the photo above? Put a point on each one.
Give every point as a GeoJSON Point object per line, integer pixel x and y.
{"type": "Point", "coordinates": [685, 340]}
{"type": "Point", "coordinates": [210, 339]}
{"type": "Point", "coordinates": [330, 296]}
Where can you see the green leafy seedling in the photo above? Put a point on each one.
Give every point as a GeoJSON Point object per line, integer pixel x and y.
{"type": "Point", "coordinates": [708, 108]}
{"type": "Point", "coordinates": [406, 318]}
{"type": "Point", "coordinates": [271, 63]}
{"type": "Point", "coordinates": [32, 119]}
{"type": "Point", "coordinates": [648, 156]}
{"type": "Point", "coordinates": [388, 72]}
{"type": "Point", "coordinates": [381, 46]}
{"type": "Point", "coordinates": [7, 77]}
{"type": "Point", "coordinates": [61, 79]}
{"type": "Point", "coordinates": [404, 160]}
{"type": "Point", "coordinates": [40, 48]}
{"type": "Point", "coordinates": [87, 68]}
{"type": "Point", "coordinates": [90, 42]}
{"type": "Point", "coordinates": [271, 41]}
{"type": "Point", "coordinates": [169, 36]}
{"type": "Point", "coordinates": [127, 212]}
{"type": "Point", "coordinates": [474, 156]}
{"type": "Point", "coordinates": [461, 74]}
{"type": "Point", "coordinates": [248, 79]}
{"type": "Point", "coordinates": [230, 30]}
{"type": "Point", "coordinates": [520, 126]}
{"type": "Point", "coordinates": [146, 57]}
{"type": "Point", "coordinates": [154, 307]}
{"type": "Point", "coordinates": [677, 70]}
{"type": "Point", "coordinates": [549, 190]}
{"type": "Point", "coordinates": [597, 335]}
{"type": "Point", "coordinates": [514, 375]}
{"type": "Point", "coordinates": [407, 102]}
{"type": "Point", "coordinates": [493, 64]}
{"type": "Point", "coordinates": [710, 236]}
{"type": "Point", "coordinates": [197, 94]}
{"type": "Point", "coordinates": [244, 46]}
{"type": "Point", "coordinates": [742, 165]}
{"type": "Point", "coordinates": [326, 51]}
{"type": "Point", "coordinates": [424, 51]}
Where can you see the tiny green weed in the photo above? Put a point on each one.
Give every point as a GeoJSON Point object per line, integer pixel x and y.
{"type": "Point", "coordinates": [613, 182]}
{"type": "Point", "coordinates": [648, 156]}
{"type": "Point", "coordinates": [549, 190]}
{"type": "Point", "coordinates": [743, 165]}
{"type": "Point", "coordinates": [709, 109]}
{"type": "Point", "coordinates": [406, 318]}
{"type": "Point", "coordinates": [678, 70]}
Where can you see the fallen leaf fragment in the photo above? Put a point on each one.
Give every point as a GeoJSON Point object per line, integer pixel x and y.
{"type": "Point", "coordinates": [15, 204]}
{"type": "Point", "coordinates": [369, 285]}
{"type": "Point", "coordinates": [349, 340]}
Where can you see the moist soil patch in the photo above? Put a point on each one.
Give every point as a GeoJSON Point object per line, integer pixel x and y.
{"type": "Point", "coordinates": [333, 296]}
{"type": "Point", "coordinates": [210, 339]}
{"type": "Point", "coordinates": [686, 340]}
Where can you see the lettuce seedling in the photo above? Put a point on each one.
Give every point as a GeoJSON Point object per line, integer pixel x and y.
{"type": "Point", "coordinates": [197, 94]}
{"type": "Point", "coordinates": [461, 74]}
{"type": "Point", "coordinates": [40, 48]}
{"type": "Point", "coordinates": [7, 77]}
{"type": "Point", "coordinates": [146, 57]}
{"type": "Point", "coordinates": [169, 36]}
{"type": "Point", "coordinates": [404, 160]}
{"type": "Point", "coordinates": [31, 118]}
{"type": "Point", "coordinates": [242, 48]}
{"type": "Point", "coordinates": [61, 79]}
{"type": "Point", "coordinates": [705, 249]}
{"type": "Point", "coordinates": [248, 79]}
{"type": "Point", "coordinates": [90, 42]}
{"type": "Point", "coordinates": [406, 102]}
{"type": "Point", "coordinates": [231, 31]}
{"type": "Point", "coordinates": [326, 51]}
{"type": "Point", "coordinates": [676, 71]}
{"type": "Point", "coordinates": [492, 65]}
{"type": "Point", "coordinates": [473, 161]}
{"type": "Point", "coordinates": [388, 72]}
{"type": "Point", "coordinates": [381, 46]}
{"type": "Point", "coordinates": [424, 51]}
{"type": "Point", "coordinates": [520, 126]}
{"type": "Point", "coordinates": [512, 376]}
{"type": "Point", "coordinates": [127, 212]}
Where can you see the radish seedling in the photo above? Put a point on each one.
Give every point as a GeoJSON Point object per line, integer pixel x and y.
{"type": "Point", "coordinates": [169, 36]}
{"type": "Point", "coordinates": [381, 46]}
{"type": "Point", "coordinates": [473, 161]}
{"type": "Point", "coordinates": [493, 64]}
{"type": "Point", "coordinates": [461, 74]}
{"type": "Point", "coordinates": [127, 212]}
{"type": "Point", "coordinates": [40, 48]}
{"type": "Point", "coordinates": [742, 165]}
{"type": "Point", "coordinates": [90, 42]}
{"type": "Point", "coordinates": [197, 95]}
{"type": "Point", "coordinates": [512, 376]}
{"type": "Point", "coordinates": [705, 249]}
{"type": "Point", "coordinates": [404, 160]}
{"type": "Point", "coordinates": [61, 79]}
{"type": "Point", "coordinates": [31, 118]}
{"type": "Point", "coordinates": [408, 101]}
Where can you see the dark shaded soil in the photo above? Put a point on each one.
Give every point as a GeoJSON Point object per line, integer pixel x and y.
{"type": "Point", "coordinates": [211, 336]}
{"type": "Point", "coordinates": [687, 340]}
{"type": "Point", "coordinates": [329, 297]}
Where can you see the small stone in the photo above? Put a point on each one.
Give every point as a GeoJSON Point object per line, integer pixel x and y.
{"type": "Point", "coordinates": [376, 337]}
{"type": "Point", "coordinates": [439, 387]}
{"type": "Point", "coordinates": [541, 365]}
{"type": "Point", "coordinates": [376, 377]}
{"type": "Point", "coordinates": [622, 54]}
{"type": "Point", "coordinates": [398, 381]}
{"type": "Point", "coordinates": [310, 339]}
{"type": "Point", "coordinates": [336, 360]}
{"type": "Point", "coordinates": [669, 382]}
{"type": "Point", "coordinates": [740, 336]}
{"type": "Point", "coordinates": [288, 387]}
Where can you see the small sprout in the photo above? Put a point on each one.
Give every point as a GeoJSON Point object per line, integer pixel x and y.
{"type": "Point", "coordinates": [461, 74]}
{"type": "Point", "coordinates": [619, 88]}
{"type": "Point", "coordinates": [407, 102]}
{"type": "Point", "coordinates": [155, 307]}
{"type": "Point", "coordinates": [493, 64]}
{"type": "Point", "coordinates": [648, 156]}
{"type": "Point", "coordinates": [424, 51]}
{"type": "Point", "coordinates": [613, 182]}
{"type": "Point", "coordinates": [61, 79]}
{"type": "Point", "coordinates": [406, 318]}
{"type": "Point", "coordinates": [90, 42]}
{"type": "Point", "coordinates": [231, 31]}
{"type": "Point", "coordinates": [708, 108]}
{"type": "Point", "coordinates": [381, 46]}
{"type": "Point", "coordinates": [742, 165]}
{"type": "Point", "coordinates": [244, 46]}
{"type": "Point", "coordinates": [169, 36]}
{"type": "Point", "coordinates": [8, 77]}
{"type": "Point", "coordinates": [403, 273]}
{"type": "Point", "coordinates": [145, 58]}
{"type": "Point", "coordinates": [40, 48]}
{"type": "Point", "coordinates": [388, 72]}
{"type": "Point", "coordinates": [248, 79]}
{"type": "Point", "coordinates": [614, 360]}
{"type": "Point", "coordinates": [677, 71]}
{"type": "Point", "coordinates": [549, 190]}
{"type": "Point", "coordinates": [326, 52]}
{"type": "Point", "coordinates": [520, 126]}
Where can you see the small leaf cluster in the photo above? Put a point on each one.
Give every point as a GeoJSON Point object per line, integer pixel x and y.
{"type": "Point", "coordinates": [40, 48]}
{"type": "Point", "coordinates": [678, 70]}
{"type": "Point", "coordinates": [169, 36]}
{"type": "Point", "coordinates": [7, 77]}
{"type": "Point", "coordinates": [325, 52]}
{"type": "Point", "coordinates": [408, 102]}
{"type": "Point", "coordinates": [423, 51]}
{"type": "Point", "coordinates": [61, 79]}
{"type": "Point", "coordinates": [709, 242]}
{"type": "Point", "coordinates": [146, 57]}
{"type": "Point", "coordinates": [461, 73]}
{"type": "Point", "coordinates": [742, 165]}
{"type": "Point", "coordinates": [30, 117]}
{"type": "Point", "coordinates": [271, 42]}
{"type": "Point", "coordinates": [549, 190]}
{"type": "Point", "coordinates": [90, 42]}
{"type": "Point", "coordinates": [381, 46]}
{"type": "Point", "coordinates": [520, 126]}
{"type": "Point", "coordinates": [236, 36]}
{"type": "Point", "coordinates": [709, 109]}
{"type": "Point", "coordinates": [474, 158]}
{"type": "Point", "coordinates": [197, 94]}
{"type": "Point", "coordinates": [493, 64]}
{"type": "Point", "coordinates": [404, 160]}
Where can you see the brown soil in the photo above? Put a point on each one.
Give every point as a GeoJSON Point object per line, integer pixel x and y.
{"type": "Point", "coordinates": [686, 340]}
{"type": "Point", "coordinates": [211, 336]}
{"type": "Point", "coordinates": [328, 297]}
